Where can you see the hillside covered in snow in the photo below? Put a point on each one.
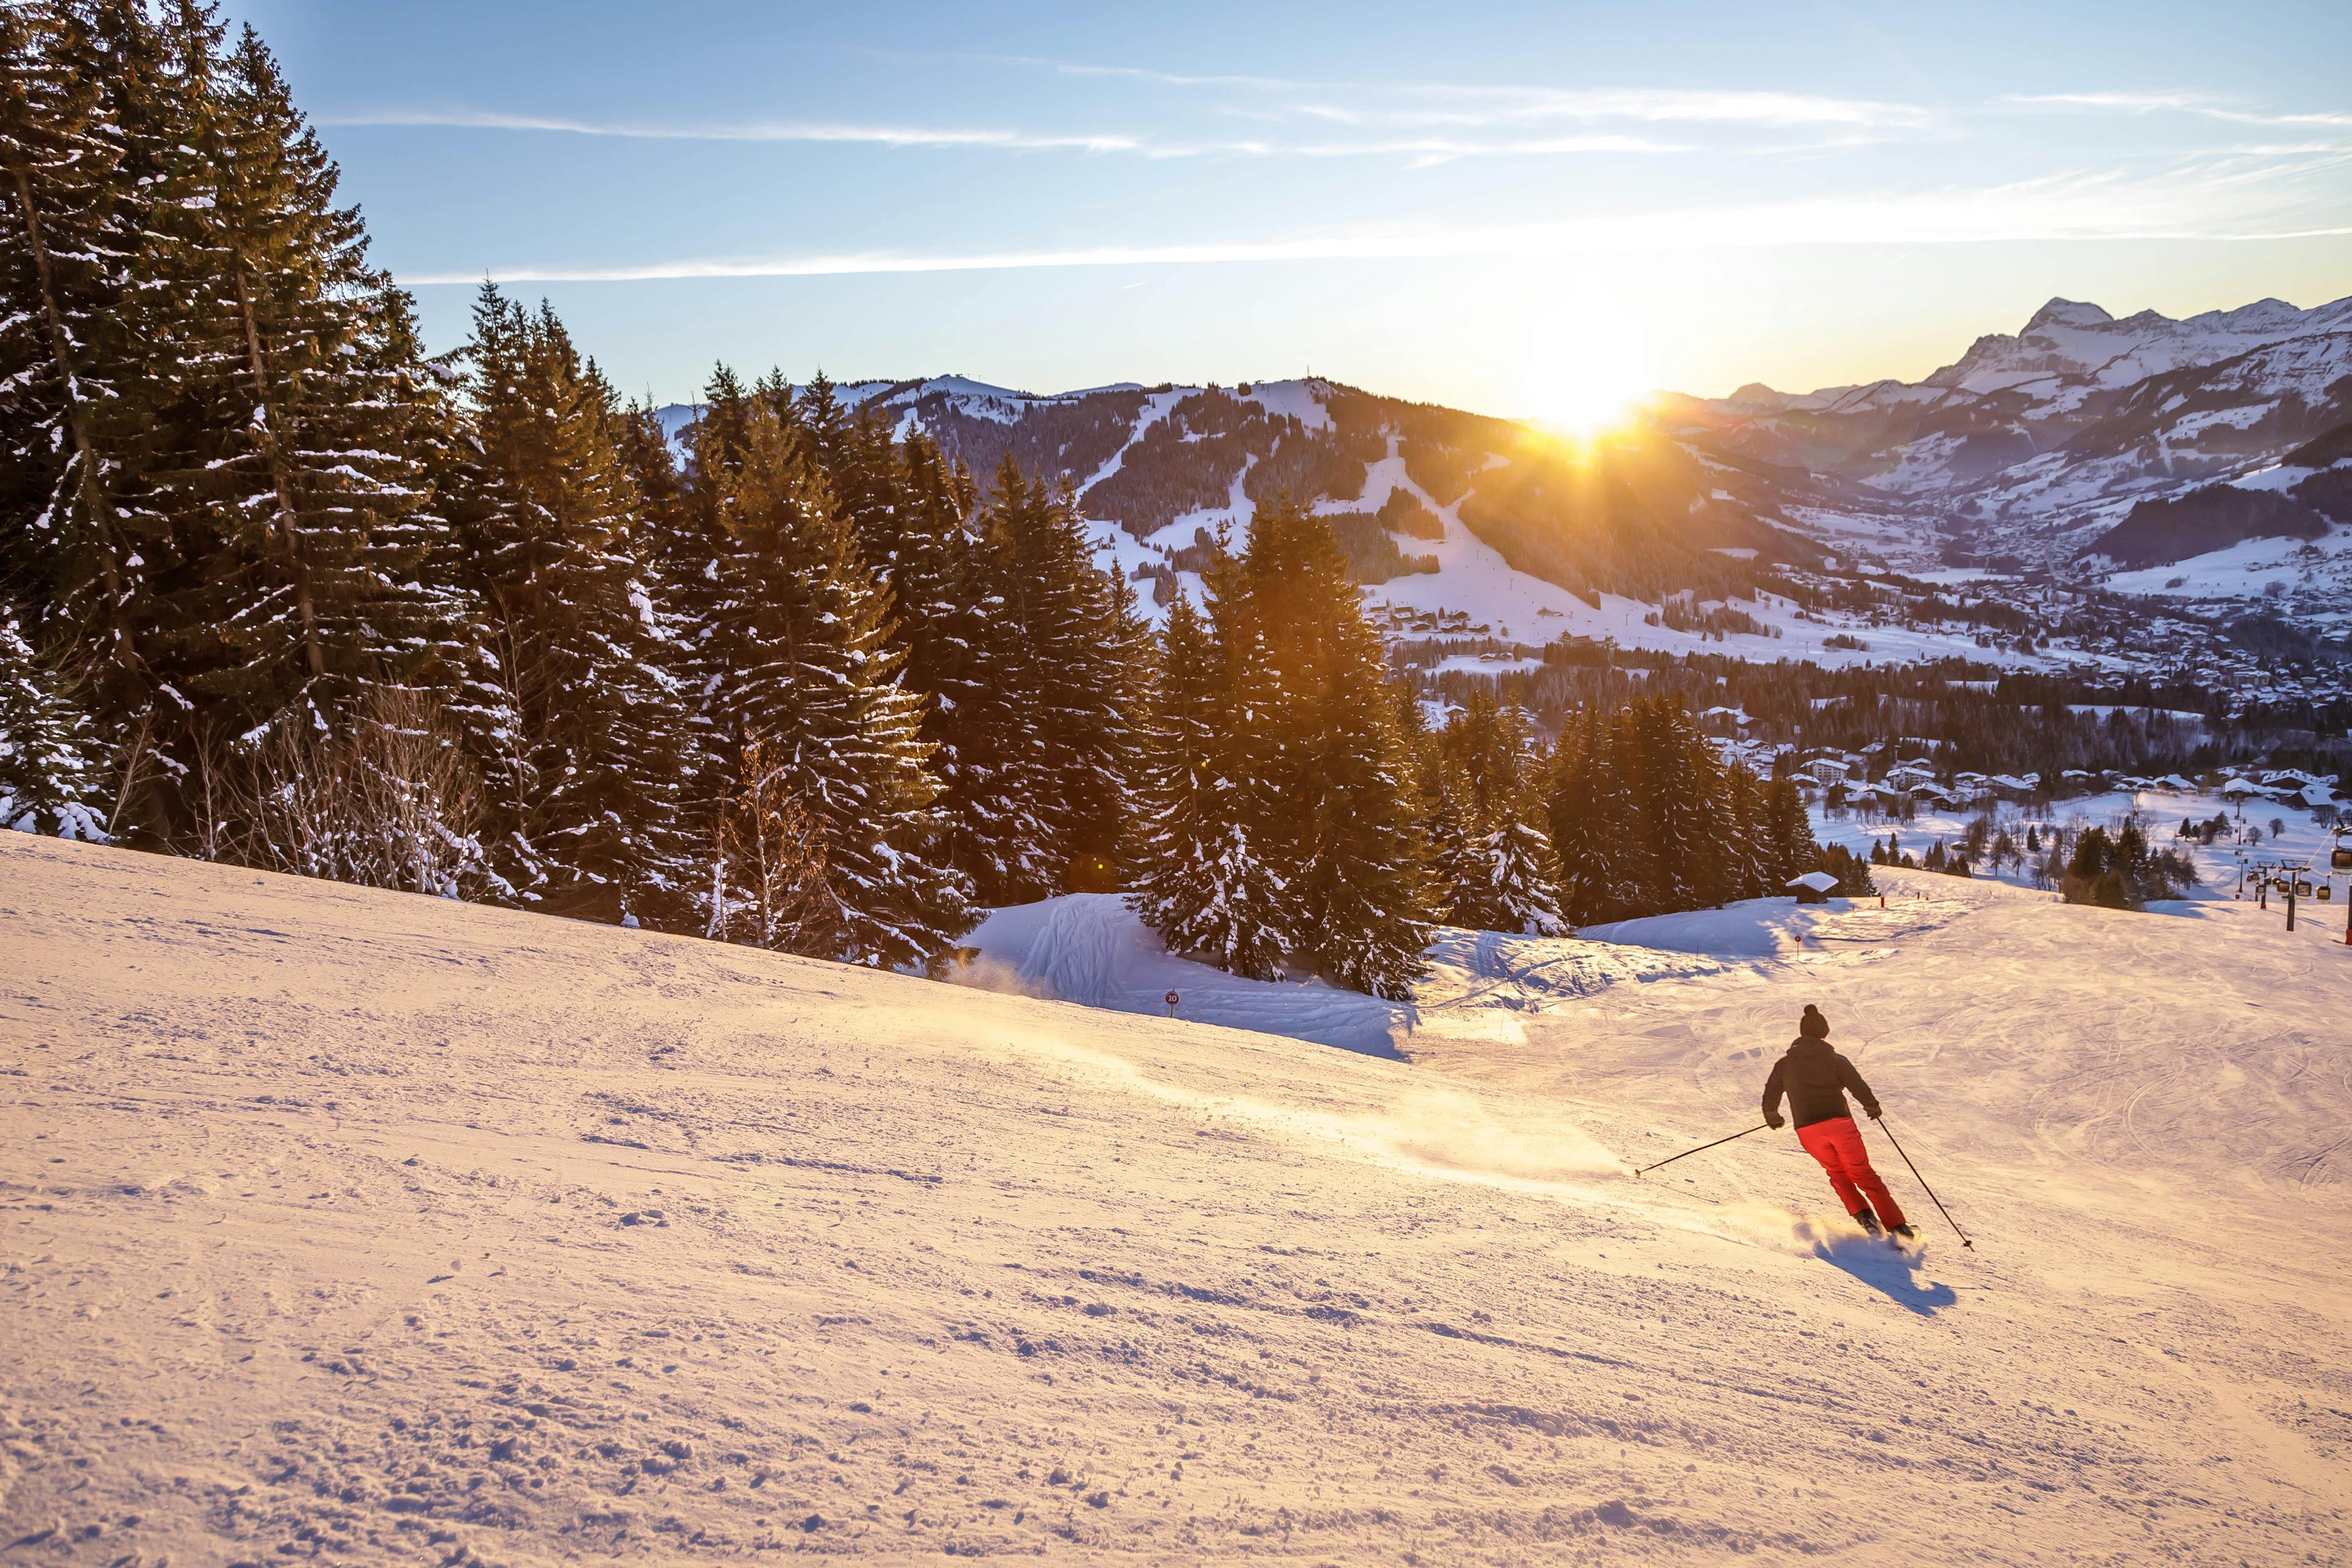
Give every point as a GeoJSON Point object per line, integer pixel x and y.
{"type": "Point", "coordinates": [2143, 454]}
{"type": "Point", "coordinates": [361, 1227]}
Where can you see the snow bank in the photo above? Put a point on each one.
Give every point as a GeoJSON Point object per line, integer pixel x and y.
{"type": "Point", "coordinates": [1089, 948]}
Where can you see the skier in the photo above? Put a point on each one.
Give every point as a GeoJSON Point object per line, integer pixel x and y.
{"type": "Point", "coordinates": [1815, 1078]}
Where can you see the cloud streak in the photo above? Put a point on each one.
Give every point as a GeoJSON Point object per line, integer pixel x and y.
{"type": "Point", "coordinates": [750, 130]}
{"type": "Point", "coordinates": [1470, 104]}
{"type": "Point", "coordinates": [1410, 146]}
{"type": "Point", "coordinates": [2214, 205]}
{"type": "Point", "coordinates": [2197, 104]}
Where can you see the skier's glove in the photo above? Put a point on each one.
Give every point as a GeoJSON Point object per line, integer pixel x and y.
{"type": "Point", "coordinates": [1875, 1112]}
{"type": "Point", "coordinates": [1775, 1122]}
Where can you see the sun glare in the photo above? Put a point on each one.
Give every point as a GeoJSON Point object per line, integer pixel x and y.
{"type": "Point", "coordinates": [1586, 371]}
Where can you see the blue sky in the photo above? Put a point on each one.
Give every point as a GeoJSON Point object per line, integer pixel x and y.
{"type": "Point", "coordinates": [1518, 209]}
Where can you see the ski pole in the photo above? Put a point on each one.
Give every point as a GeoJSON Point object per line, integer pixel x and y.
{"type": "Point", "coordinates": [1704, 1147]}
{"type": "Point", "coordinates": [1924, 1187]}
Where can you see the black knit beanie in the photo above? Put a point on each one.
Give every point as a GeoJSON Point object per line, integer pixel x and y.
{"type": "Point", "coordinates": [1812, 1025]}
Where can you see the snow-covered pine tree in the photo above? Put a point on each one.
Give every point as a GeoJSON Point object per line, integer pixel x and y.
{"type": "Point", "coordinates": [288, 393]}
{"type": "Point", "coordinates": [1127, 630]}
{"type": "Point", "coordinates": [1196, 880]}
{"type": "Point", "coordinates": [51, 780]}
{"type": "Point", "coordinates": [802, 644]}
{"type": "Point", "coordinates": [1504, 882]}
{"type": "Point", "coordinates": [1680, 808]}
{"type": "Point", "coordinates": [1176, 784]}
{"type": "Point", "coordinates": [952, 596]}
{"type": "Point", "coordinates": [1595, 827]}
{"type": "Point", "coordinates": [1055, 723]}
{"type": "Point", "coordinates": [1080, 641]}
{"type": "Point", "coordinates": [585, 786]}
{"type": "Point", "coordinates": [681, 558]}
{"type": "Point", "coordinates": [60, 273]}
{"type": "Point", "coordinates": [1497, 868]}
{"type": "Point", "coordinates": [1453, 860]}
{"type": "Point", "coordinates": [1336, 777]}
{"type": "Point", "coordinates": [689, 553]}
{"type": "Point", "coordinates": [1483, 745]}
{"type": "Point", "coordinates": [86, 110]}
{"type": "Point", "coordinates": [715, 442]}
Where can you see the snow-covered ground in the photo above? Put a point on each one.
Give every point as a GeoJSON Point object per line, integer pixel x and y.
{"type": "Point", "coordinates": [369, 1227]}
{"type": "Point", "coordinates": [2160, 814]}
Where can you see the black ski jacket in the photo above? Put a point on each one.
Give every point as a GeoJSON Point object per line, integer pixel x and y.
{"type": "Point", "coordinates": [1815, 1078]}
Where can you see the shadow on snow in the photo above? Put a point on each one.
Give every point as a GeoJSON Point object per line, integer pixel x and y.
{"type": "Point", "coordinates": [1890, 1272]}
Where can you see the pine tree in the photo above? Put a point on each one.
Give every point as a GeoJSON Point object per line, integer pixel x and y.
{"type": "Point", "coordinates": [1681, 792]}
{"type": "Point", "coordinates": [59, 269]}
{"type": "Point", "coordinates": [1485, 751]}
{"type": "Point", "coordinates": [1060, 671]}
{"type": "Point", "coordinates": [1505, 882]}
{"type": "Point", "coordinates": [288, 402]}
{"type": "Point", "coordinates": [1748, 854]}
{"type": "Point", "coordinates": [1595, 831]}
{"type": "Point", "coordinates": [50, 778]}
{"type": "Point", "coordinates": [1335, 773]}
{"type": "Point", "coordinates": [1197, 881]}
{"type": "Point", "coordinates": [1790, 832]}
{"type": "Point", "coordinates": [86, 112]}
{"type": "Point", "coordinates": [585, 754]}
{"type": "Point", "coordinates": [802, 646]}
{"type": "Point", "coordinates": [1496, 867]}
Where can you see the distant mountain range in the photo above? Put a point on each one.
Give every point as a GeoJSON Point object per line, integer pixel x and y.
{"type": "Point", "coordinates": [2084, 445]}
{"type": "Point", "coordinates": [2041, 447]}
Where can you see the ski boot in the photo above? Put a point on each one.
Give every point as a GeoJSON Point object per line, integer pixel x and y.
{"type": "Point", "coordinates": [1901, 1234]}
{"type": "Point", "coordinates": [1868, 1221]}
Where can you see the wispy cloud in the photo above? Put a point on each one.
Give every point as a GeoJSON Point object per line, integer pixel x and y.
{"type": "Point", "coordinates": [1473, 103]}
{"type": "Point", "coordinates": [2200, 104]}
{"type": "Point", "coordinates": [2178, 203]}
{"type": "Point", "coordinates": [746, 131]}
{"type": "Point", "coordinates": [1427, 147]}
{"type": "Point", "coordinates": [1434, 104]}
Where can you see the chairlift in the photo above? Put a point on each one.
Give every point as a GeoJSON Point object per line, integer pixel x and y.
{"type": "Point", "coordinates": [2326, 891]}
{"type": "Point", "coordinates": [2340, 857]}
{"type": "Point", "coordinates": [2303, 890]}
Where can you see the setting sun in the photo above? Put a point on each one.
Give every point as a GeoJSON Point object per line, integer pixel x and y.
{"type": "Point", "coordinates": [1586, 370]}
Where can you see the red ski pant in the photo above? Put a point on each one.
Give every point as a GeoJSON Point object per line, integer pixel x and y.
{"type": "Point", "coordinates": [1837, 1144]}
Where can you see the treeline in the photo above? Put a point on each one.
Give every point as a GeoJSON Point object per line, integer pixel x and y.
{"type": "Point", "coordinates": [1984, 725]}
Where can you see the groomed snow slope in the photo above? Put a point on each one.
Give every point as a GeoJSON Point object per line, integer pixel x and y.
{"type": "Point", "coordinates": [367, 1227]}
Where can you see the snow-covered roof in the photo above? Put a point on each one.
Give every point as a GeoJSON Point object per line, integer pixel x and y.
{"type": "Point", "coordinates": [1818, 881]}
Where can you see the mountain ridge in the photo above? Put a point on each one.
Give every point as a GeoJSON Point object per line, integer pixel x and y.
{"type": "Point", "coordinates": [2024, 452]}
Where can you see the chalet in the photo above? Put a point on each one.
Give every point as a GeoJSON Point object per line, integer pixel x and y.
{"type": "Point", "coordinates": [1813, 887]}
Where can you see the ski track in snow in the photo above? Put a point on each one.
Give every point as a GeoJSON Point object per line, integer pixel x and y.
{"type": "Point", "coordinates": [375, 1229]}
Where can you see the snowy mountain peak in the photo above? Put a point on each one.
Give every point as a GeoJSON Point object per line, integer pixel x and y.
{"type": "Point", "coordinates": [2069, 344]}
{"type": "Point", "coordinates": [2076, 313]}
{"type": "Point", "coordinates": [1757, 398]}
